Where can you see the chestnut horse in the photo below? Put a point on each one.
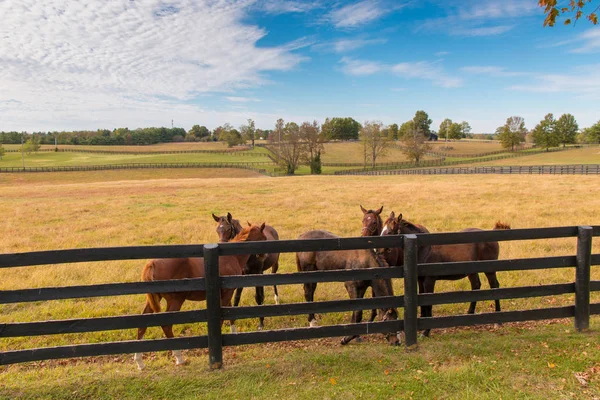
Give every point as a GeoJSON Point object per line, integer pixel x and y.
{"type": "Point", "coordinates": [227, 228]}
{"type": "Point", "coordinates": [448, 253]}
{"type": "Point", "coordinates": [187, 268]}
{"type": "Point", "coordinates": [345, 259]}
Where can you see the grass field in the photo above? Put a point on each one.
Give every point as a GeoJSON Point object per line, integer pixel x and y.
{"type": "Point", "coordinates": [154, 147]}
{"type": "Point", "coordinates": [352, 152]}
{"type": "Point", "coordinates": [54, 211]}
{"type": "Point", "coordinates": [465, 147]}
{"type": "Point", "coordinates": [585, 155]}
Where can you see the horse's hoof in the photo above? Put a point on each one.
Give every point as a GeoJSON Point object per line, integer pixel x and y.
{"type": "Point", "coordinates": [233, 329]}
{"type": "Point", "coordinates": [399, 337]}
{"type": "Point", "coordinates": [276, 299]}
{"type": "Point", "coordinates": [344, 342]}
{"type": "Point", "coordinates": [313, 323]}
{"type": "Point", "coordinates": [497, 326]}
{"type": "Point", "coordinates": [179, 360]}
{"type": "Point", "coordinates": [260, 327]}
{"type": "Point", "coordinates": [137, 357]}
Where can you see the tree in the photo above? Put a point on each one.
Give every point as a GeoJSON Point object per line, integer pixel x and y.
{"type": "Point", "coordinates": [406, 127]}
{"type": "Point", "coordinates": [423, 123]}
{"type": "Point", "coordinates": [31, 145]}
{"type": "Point", "coordinates": [310, 134]}
{"type": "Point", "coordinates": [415, 144]}
{"type": "Point", "coordinates": [455, 131]}
{"type": "Point", "coordinates": [1, 151]}
{"type": "Point", "coordinates": [249, 131]}
{"type": "Point", "coordinates": [444, 128]}
{"type": "Point", "coordinates": [340, 129]}
{"type": "Point", "coordinates": [566, 129]}
{"type": "Point", "coordinates": [392, 131]}
{"type": "Point", "coordinates": [291, 148]}
{"type": "Point", "coordinates": [512, 133]}
{"type": "Point", "coordinates": [574, 11]}
{"type": "Point", "coordinates": [374, 141]}
{"type": "Point", "coordinates": [465, 129]}
{"type": "Point", "coordinates": [544, 133]}
{"type": "Point", "coordinates": [591, 134]}
{"type": "Point", "coordinates": [198, 132]}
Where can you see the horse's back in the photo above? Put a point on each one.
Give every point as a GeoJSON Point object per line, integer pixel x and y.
{"type": "Point", "coordinates": [175, 268]}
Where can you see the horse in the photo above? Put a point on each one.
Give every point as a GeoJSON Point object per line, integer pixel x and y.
{"type": "Point", "coordinates": [346, 259]}
{"type": "Point", "coordinates": [227, 228]}
{"type": "Point", "coordinates": [186, 268]}
{"type": "Point", "coordinates": [372, 224]}
{"type": "Point", "coordinates": [447, 253]}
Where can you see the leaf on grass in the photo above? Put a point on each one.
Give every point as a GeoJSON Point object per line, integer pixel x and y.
{"type": "Point", "coordinates": [332, 381]}
{"type": "Point", "coordinates": [582, 377]}
{"type": "Point", "coordinates": [551, 365]}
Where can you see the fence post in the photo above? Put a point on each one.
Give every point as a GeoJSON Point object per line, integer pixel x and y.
{"type": "Point", "coordinates": [582, 278]}
{"type": "Point", "coordinates": [410, 291]}
{"type": "Point", "coordinates": [213, 305]}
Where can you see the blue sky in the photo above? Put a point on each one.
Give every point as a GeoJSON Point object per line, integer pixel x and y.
{"type": "Point", "coordinates": [90, 64]}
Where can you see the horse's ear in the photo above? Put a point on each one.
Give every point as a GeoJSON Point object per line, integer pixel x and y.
{"type": "Point", "coordinates": [399, 217]}
{"type": "Point", "coordinates": [229, 217]}
{"type": "Point", "coordinates": [363, 209]}
{"type": "Point", "coordinates": [379, 211]}
{"type": "Point", "coordinates": [262, 227]}
{"type": "Point", "coordinates": [392, 215]}
{"type": "Point", "coordinates": [216, 218]}
{"type": "Point", "coordinates": [249, 224]}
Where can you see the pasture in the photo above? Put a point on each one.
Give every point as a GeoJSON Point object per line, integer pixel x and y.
{"type": "Point", "coordinates": [150, 209]}
{"type": "Point", "coordinates": [173, 146]}
{"type": "Point", "coordinates": [352, 152]}
{"type": "Point", "coordinates": [465, 147]}
{"type": "Point", "coordinates": [584, 155]}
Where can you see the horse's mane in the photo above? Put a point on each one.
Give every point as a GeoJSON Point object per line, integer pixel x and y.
{"type": "Point", "coordinates": [409, 224]}
{"type": "Point", "coordinates": [501, 225]}
{"type": "Point", "coordinates": [243, 235]}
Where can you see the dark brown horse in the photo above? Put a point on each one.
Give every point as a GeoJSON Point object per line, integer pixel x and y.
{"type": "Point", "coordinates": [227, 228]}
{"type": "Point", "coordinates": [447, 253]}
{"type": "Point", "coordinates": [372, 224]}
{"type": "Point", "coordinates": [186, 268]}
{"type": "Point", "coordinates": [345, 259]}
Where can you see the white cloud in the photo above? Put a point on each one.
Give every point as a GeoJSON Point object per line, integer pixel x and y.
{"type": "Point", "coordinates": [288, 6]}
{"type": "Point", "coordinates": [408, 70]}
{"type": "Point", "coordinates": [357, 14]}
{"type": "Point", "coordinates": [491, 70]}
{"type": "Point", "coordinates": [360, 67]}
{"type": "Point", "coordinates": [427, 71]}
{"type": "Point", "coordinates": [85, 59]}
{"type": "Point", "coordinates": [480, 17]}
{"type": "Point", "coordinates": [585, 81]}
{"type": "Point", "coordinates": [442, 53]}
{"type": "Point", "coordinates": [347, 45]}
{"type": "Point", "coordinates": [236, 99]}
{"type": "Point", "coordinates": [591, 42]}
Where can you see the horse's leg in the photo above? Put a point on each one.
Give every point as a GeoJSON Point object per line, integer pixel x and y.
{"type": "Point", "coordinates": [236, 302]}
{"type": "Point", "coordinates": [274, 269]}
{"type": "Point", "coordinates": [494, 284]}
{"type": "Point", "coordinates": [427, 311]}
{"type": "Point", "coordinates": [137, 357]}
{"type": "Point", "coordinates": [260, 298]}
{"type": "Point", "coordinates": [356, 290]}
{"type": "Point", "coordinates": [174, 304]}
{"type": "Point", "coordinates": [475, 285]}
{"type": "Point", "coordinates": [309, 294]}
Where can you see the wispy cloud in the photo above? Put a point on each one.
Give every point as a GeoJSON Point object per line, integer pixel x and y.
{"type": "Point", "coordinates": [277, 7]}
{"type": "Point", "coordinates": [347, 45]}
{"type": "Point", "coordinates": [237, 99]}
{"type": "Point", "coordinates": [442, 53]}
{"type": "Point", "coordinates": [587, 42]}
{"type": "Point", "coordinates": [409, 70]}
{"type": "Point", "coordinates": [480, 17]}
{"type": "Point", "coordinates": [118, 54]}
{"type": "Point", "coordinates": [584, 81]}
{"type": "Point", "coordinates": [491, 70]}
{"type": "Point", "coordinates": [357, 14]}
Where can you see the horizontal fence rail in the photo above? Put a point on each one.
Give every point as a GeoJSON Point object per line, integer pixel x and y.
{"type": "Point", "coordinates": [213, 283]}
{"type": "Point", "coordinates": [581, 169]}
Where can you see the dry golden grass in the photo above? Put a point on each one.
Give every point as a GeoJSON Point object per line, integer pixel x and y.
{"type": "Point", "coordinates": [465, 147]}
{"type": "Point", "coordinates": [68, 213]}
{"type": "Point", "coordinates": [352, 152]}
{"type": "Point", "coordinates": [154, 147]}
{"type": "Point", "coordinates": [585, 155]}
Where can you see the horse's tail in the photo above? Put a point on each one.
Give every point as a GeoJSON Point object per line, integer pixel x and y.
{"type": "Point", "coordinates": [501, 225]}
{"type": "Point", "coordinates": [153, 299]}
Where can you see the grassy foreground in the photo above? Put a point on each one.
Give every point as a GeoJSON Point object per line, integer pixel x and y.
{"type": "Point", "coordinates": [52, 211]}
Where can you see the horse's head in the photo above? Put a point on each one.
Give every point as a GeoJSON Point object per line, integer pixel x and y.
{"type": "Point", "coordinates": [252, 233]}
{"type": "Point", "coordinates": [391, 226]}
{"type": "Point", "coordinates": [371, 222]}
{"type": "Point", "coordinates": [227, 227]}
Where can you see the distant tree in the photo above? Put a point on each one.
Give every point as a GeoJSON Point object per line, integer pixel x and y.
{"type": "Point", "coordinates": [423, 123]}
{"type": "Point", "coordinates": [198, 132]}
{"type": "Point", "coordinates": [1, 151]}
{"type": "Point", "coordinates": [405, 128]}
{"type": "Point", "coordinates": [340, 129]}
{"type": "Point", "coordinates": [573, 9]}
{"type": "Point", "coordinates": [445, 128]}
{"type": "Point", "coordinates": [455, 131]}
{"type": "Point", "coordinates": [465, 129]}
{"type": "Point", "coordinates": [227, 133]}
{"type": "Point", "coordinates": [310, 134]}
{"type": "Point", "coordinates": [249, 131]}
{"type": "Point", "coordinates": [32, 145]}
{"type": "Point", "coordinates": [544, 134]}
{"type": "Point", "coordinates": [415, 145]}
{"type": "Point", "coordinates": [374, 141]}
{"type": "Point", "coordinates": [291, 148]}
{"type": "Point", "coordinates": [591, 134]}
{"type": "Point", "coordinates": [392, 132]}
{"type": "Point", "coordinates": [566, 129]}
{"type": "Point", "coordinates": [512, 133]}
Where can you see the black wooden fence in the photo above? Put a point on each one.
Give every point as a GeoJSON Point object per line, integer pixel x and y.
{"type": "Point", "coordinates": [215, 340]}
{"type": "Point", "coordinates": [580, 169]}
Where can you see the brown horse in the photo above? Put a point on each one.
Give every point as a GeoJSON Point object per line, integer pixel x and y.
{"type": "Point", "coordinates": [447, 253]}
{"type": "Point", "coordinates": [372, 224]}
{"type": "Point", "coordinates": [227, 228]}
{"type": "Point", "coordinates": [345, 259]}
{"type": "Point", "coordinates": [186, 268]}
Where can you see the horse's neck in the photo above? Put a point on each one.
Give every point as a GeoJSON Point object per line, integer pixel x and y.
{"type": "Point", "coordinates": [409, 227]}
